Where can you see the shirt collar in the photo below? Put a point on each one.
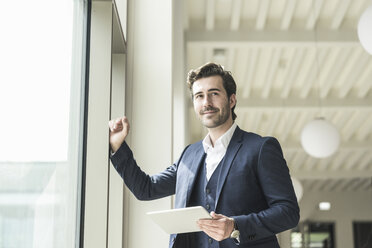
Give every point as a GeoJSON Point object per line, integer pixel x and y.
{"type": "Point", "coordinates": [221, 142]}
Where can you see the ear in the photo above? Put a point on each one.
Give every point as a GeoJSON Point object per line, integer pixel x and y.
{"type": "Point", "coordinates": [232, 100]}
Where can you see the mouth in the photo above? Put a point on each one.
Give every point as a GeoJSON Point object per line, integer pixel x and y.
{"type": "Point", "coordinates": [209, 112]}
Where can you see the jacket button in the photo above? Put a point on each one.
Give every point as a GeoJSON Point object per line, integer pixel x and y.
{"type": "Point", "coordinates": [208, 191]}
{"type": "Point", "coordinates": [210, 241]}
{"type": "Point", "coordinates": [251, 237]}
{"type": "Point", "coordinates": [208, 207]}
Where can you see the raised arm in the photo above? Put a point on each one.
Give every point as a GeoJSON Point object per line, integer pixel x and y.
{"type": "Point", "coordinates": [143, 186]}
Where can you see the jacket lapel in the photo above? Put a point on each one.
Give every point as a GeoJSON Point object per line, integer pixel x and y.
{"type": "Point", "coordinates": [197, 162]}
{"type": "Point", "coordinates": [231, 152]}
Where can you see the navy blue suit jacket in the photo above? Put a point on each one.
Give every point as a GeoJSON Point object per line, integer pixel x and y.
{"type": "Point", "coordinates": [254, 187]}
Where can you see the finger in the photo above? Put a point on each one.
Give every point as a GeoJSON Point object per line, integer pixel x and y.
{"type": "Point", "coordinates": [210, 223]}
{"type": "Point", "coordinates": [118, 121]}
{"type": "Point", "coordinates": [217, 216]}
{"type": "Point", "coordinates": [215, 221]}
{"type": "Point", "coordinates": [213, 234]}
{"type": "Point", "coordinates": [125, 123]}
{"type": "Point", "coordinates": [208, 229]}
{"type": "Point", "coordinates": [217, 228]}
{"type": "Point", "coordinates": [112, 125]}
{"type": "Point", "coordinates": [117, 128]}
{"type": "Point", "coordinates": [124, 120]}
{"type": "Point", "coordinates": [118, 124]}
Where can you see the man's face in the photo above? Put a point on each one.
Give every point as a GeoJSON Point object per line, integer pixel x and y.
{"type": "Point", "coordinates": [211, 103]}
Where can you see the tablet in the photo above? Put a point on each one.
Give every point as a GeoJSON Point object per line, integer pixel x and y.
{"type": "Point", "coordinates": [179, 220]}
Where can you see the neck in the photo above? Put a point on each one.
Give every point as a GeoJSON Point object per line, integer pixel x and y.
{"type": "Point", "coordinates": [216, 132]}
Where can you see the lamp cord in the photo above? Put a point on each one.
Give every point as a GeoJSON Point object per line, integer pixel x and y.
{"type": "Point", "coordinates": [317, 86]}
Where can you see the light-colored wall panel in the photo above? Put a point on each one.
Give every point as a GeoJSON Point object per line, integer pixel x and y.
{"type": "Point", "coordinates": [116, 186]}
{"type": "Point", "coordinates": [149, 109]}
{"type": "Point", "coordinates": [181, 95]}
{"type": "Point", "coordinates": [122, 11]}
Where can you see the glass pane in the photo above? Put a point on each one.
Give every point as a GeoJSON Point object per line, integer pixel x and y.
{"type": "Point", "coordinates": [41, 106]}
{"type": "Point", "coordinates": [362, 234]}
{"type": "Point", "coordinates": [313, 234]}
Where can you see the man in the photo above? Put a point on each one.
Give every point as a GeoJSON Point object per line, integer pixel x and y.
{"type": "Point", "coordinates": [241, 178]}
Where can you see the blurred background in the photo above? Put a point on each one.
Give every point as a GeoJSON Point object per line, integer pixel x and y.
{"type": "Point", "coordinates": [303, 73]}
{"type": "Point", "coordinates": [295, 61]}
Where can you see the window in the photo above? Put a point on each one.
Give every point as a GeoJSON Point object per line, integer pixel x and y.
{"type": "Point", "coordinates": [313, 234]}
{"type": "Point", "coordinates": [41, 105]}
{"type": "Point", "coordinates": [362, 234]}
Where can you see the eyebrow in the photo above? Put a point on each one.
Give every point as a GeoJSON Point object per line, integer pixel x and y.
{"type": "Point", "coordinates": [213, 89]}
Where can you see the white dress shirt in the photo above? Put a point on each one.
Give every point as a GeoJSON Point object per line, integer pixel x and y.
{"type": "Point", "coordinates": [217, 152]}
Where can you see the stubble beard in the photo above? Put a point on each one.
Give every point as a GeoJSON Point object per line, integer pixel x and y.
{"type": "Point", "coordinates": [218, 119]}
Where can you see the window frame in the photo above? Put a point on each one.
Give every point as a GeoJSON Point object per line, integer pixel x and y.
{"type": "Point", "coordinates": [103, 190]}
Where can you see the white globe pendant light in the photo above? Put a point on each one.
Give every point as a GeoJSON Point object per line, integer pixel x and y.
{"type": "Point", "coordinates": [365, 29]}
{"type": "Point", "coordinates": [320, 138]}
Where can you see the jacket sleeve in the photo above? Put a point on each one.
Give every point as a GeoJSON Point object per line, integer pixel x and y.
{"type": "Point", "coordinates": [143, 186]}
{"type": "Point", "coordinates": [283, 211]}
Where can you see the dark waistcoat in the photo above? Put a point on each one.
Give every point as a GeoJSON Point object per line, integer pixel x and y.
{"type": "Point", "coordinates": [204, 194]}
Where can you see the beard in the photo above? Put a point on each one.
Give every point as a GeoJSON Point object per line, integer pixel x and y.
{"type": "Point", "coordinates": [217, 119]}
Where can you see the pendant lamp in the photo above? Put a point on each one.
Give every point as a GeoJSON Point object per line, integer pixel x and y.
{"type": "Point", "coordinates": [320, 138]}
{"type": "Point", "coordinates": [365, 29]}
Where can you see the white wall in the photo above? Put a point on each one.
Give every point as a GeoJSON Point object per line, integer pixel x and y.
{"type": "Point", "coordinates": [181, 96]}
{"type": "Point", "coordinates": [149, 109]}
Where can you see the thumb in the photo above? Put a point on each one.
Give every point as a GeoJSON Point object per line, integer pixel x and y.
{"type": "Point", "coordinates": [125, 123]}
{"type": "Point", "coordinates": [216, 216]}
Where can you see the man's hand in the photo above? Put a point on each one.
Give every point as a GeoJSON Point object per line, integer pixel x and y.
{"type": "Point", "coordinates": [119, 129]}
{"type": "Point", "coordinates": [218, 228]}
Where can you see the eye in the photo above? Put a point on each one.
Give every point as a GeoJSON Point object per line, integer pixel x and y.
{"type": "Point", "coordinates": [198, 96]}
{"type": "Point", "coordinates": [214, 93]}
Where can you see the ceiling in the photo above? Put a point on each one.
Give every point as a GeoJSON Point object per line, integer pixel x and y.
{"type": "Point", "coordinates": [293, 61]}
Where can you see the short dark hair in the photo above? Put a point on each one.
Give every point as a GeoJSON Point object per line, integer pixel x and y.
{"type": "Point", "coordinates": [212, 69]}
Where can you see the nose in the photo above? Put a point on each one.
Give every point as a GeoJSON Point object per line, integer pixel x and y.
{"type": "Point", "coordinates": [207, 101]}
